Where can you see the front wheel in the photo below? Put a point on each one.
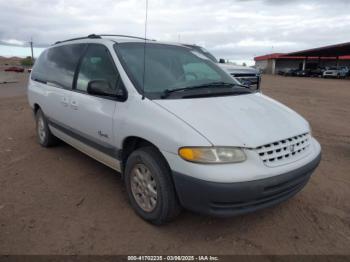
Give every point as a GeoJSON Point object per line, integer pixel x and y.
{"type": "Point", "coordinates": [149, 186]}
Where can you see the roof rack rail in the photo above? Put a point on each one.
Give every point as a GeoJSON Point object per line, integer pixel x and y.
{"type": "Point", "coordinates": [129, 36]}
{"type": "Point", "coordinates": [92, 36]}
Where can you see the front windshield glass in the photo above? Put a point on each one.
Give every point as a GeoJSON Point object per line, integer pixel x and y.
{"type": "Point", "coordinates": [168, 67]}
{"type": "Point", "coordinates": [204, 52]}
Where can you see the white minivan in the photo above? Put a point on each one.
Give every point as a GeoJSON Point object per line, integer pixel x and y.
{"type": "Point", "coordinates": [180, 130]}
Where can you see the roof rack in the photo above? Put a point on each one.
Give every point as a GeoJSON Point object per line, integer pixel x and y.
{"type": "Point", "coordinates": [94, 36]}
{"type": "Point", "coordinates": [129, 36]}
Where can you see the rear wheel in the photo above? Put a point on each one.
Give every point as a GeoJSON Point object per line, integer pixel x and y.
{"type": "Point", "coordinates": [45, 137]}
{"type": "Point", "coordinates": [149, 185]}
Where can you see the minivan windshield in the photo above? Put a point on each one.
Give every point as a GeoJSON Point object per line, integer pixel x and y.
{"type": "Point", "coordinates": [170, 67]}
{"type": "Point", "coordinates": [203, 51]}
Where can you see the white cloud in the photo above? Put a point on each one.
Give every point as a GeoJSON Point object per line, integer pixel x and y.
{"type": "Point", "coordinates": [250, 42]}
{"type": "Point", "coordinates": [236, 30]}
{"type": "Point", "coordinates": [13, 42]}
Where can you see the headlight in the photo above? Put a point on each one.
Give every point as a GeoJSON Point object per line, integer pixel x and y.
{"type": "Point", "coordinates": [212, 155]}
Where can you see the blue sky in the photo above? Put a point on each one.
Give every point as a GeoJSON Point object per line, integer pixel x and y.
{"type": "Point", "coordinates": [8, 51]}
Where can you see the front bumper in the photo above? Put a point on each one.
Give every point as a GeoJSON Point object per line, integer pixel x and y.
{"type": "Point", "coordinates": [330, 74]}
{"type": "Point", "coordinates": [229, 199]}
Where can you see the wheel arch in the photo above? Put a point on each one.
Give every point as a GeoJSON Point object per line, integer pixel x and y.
{"type": "Point", "coordinates": [36, 108]}
{"type": "Point", "coordinates": [132, 143]}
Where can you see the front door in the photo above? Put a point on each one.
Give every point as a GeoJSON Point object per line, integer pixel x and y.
{"type": "Point", "coordinates": [92, 116]}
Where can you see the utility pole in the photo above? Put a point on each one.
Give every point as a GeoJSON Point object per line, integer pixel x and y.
{"type": "Point", "coordinates": [31, 48]}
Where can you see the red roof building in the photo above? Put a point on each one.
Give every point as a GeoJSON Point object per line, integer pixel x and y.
{"type": "Point", "coordinates": [334, 55]}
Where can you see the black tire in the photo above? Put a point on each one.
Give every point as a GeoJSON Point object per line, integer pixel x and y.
{"type": "Point", "coordinates": [167, 206]}
{"type": "Point", "coordinates": [44, 135]}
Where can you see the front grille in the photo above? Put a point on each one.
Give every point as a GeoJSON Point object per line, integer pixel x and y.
{"type": "Point", "coordinates": [253, 80]}
{"type": "Point", "coordinates": [284, 151]}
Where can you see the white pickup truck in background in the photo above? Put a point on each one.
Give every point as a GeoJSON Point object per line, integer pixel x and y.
{"type": "Point", "coordinates": [245, 75]}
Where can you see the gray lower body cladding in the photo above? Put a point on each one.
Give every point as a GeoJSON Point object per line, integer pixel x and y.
{"type": "Point", "coordinates": [229, 199]}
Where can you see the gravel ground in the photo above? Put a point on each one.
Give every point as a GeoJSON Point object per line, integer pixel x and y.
{"type": "Point", "coordinates": [59, 201]}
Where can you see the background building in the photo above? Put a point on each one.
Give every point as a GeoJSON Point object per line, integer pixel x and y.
{"type": "Point", "coordinates": [335, 55]}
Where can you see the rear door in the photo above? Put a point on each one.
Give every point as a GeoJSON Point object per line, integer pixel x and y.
{"type": "Point", "coordinates": [92, 116]}
{"type": "Point", "coordinates": [54, 73]}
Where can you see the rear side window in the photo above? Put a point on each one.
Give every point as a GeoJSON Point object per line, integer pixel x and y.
{"type": "Point", "coordinates": [57, 65]}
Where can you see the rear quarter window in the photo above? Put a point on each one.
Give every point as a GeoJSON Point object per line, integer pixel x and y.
{"type": "Point", "coordinates": [57, 65]}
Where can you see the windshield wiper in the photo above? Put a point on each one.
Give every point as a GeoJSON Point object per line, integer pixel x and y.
{"type": "Point", "coordinates": [168, 92]}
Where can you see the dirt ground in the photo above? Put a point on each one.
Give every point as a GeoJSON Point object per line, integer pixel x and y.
{"type": "Point", "coordinates": [59, 201]}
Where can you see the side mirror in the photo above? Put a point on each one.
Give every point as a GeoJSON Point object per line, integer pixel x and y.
{"type": "Point", "coordinates": [222, 61]}
{"type": "Point", "coordinates": [103, 88]}
{"type": "Point", "coordinates": [99, 87]}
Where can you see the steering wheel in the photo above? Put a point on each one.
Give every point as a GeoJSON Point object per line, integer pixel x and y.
{"type": "Point", "coordinates": [184, 76]}
{"type": "Point", "coordinates": [181, 80]}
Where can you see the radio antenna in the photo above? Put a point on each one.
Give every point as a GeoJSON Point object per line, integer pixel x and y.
{"type": "Point", "coordinates": [144, 53]}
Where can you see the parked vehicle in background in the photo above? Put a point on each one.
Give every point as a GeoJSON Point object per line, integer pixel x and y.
{"type": "Point", "coordinates": [317, 72]}
{"type": "Point", "coordinates": [303, 73]}
{"type": "Point", "coordinates": [336, 72]}
{"type": "Point", "coordinates": [14, 69]}
{"type": "Point", "coordinates": [182, 132]}
{"type": "Point", "coordinates": [283, 71]}
{"type": "Point", "coordinates": [245, 75]}
{"type": "Point", "coordinates": [291, 72]}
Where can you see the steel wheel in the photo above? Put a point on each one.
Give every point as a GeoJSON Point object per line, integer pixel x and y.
{"type": "Point", "coordinates": [41, 129]}
{"type": "Point", "coordinates": [149, 186]}
{"type": "Point", "coordinates": [144, 187]}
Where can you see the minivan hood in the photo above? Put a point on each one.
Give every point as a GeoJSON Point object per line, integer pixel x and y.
{"type": "Point", "coordinates": [248, 120]}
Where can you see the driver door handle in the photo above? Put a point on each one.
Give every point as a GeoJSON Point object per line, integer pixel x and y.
{"type": "Point", "coordinates": [74, 105]}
